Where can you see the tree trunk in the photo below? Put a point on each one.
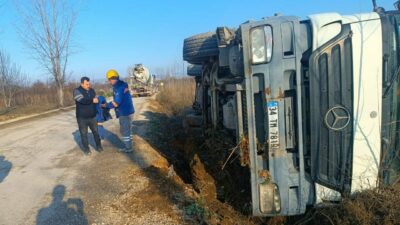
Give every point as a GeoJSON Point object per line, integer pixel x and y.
{"type": "Point", "coordinates": [11, 96]}
{"type": "Point", "coordinates": [3, 93]}
{"type": "Point", "coordinates": [5, 100]}
{"type": "Point", "coordinates": [9, 101]}
{"type": "Point", "coordinates": [60, 93]}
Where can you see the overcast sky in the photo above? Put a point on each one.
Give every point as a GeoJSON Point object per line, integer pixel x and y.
{"type": "Point", "coordinates": [116, 34]}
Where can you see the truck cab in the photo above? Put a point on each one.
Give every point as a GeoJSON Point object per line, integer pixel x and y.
{"type": "Point", "coordinates": [315, 99]}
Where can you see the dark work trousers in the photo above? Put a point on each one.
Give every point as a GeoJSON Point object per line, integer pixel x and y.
{"type": "Point", "coordinates": [83, 124]}
{"type": "Point", "coordinates": [125, 125]}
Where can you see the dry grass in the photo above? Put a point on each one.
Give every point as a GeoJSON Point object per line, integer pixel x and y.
{"type": "Point", "coordinates": [176, 95]}
{"type": "Point", "coordinates": [368, 207]}
{"type": "Point", "coordinates": [40, 94]}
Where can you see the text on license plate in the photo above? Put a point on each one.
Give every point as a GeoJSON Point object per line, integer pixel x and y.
{"type": "Point", "coordinates": [273, 126]}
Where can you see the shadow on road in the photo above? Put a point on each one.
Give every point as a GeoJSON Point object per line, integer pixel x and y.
{"type": "Point", "coordinates": [77, 137]}
{"type": "Point", "coordinates": [62, 212]}
{"type": "Point", "coordinates": [5, 168]}
{"type": "Point", "coordinates": [108, 135]}
{"type": "Point", "coordinates": [113, 139]}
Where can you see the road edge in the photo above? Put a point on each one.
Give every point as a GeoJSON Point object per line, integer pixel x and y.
{"type": "Point", "coordinates": [35, 116]}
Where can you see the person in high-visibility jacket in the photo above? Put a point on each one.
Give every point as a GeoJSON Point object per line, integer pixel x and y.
{"type": "Point", "coordinates": [123, 106]}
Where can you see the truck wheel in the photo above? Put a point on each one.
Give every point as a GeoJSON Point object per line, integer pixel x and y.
{"type": "Point", "coordinates": [200, 48]}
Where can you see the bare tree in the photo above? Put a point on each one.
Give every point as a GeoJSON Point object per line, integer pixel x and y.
{"type": "Point", "coordinates": [12, 80]}
{"type": "Point", "coordinates": [46, 30]}
{"type": "Point", "coordinates": [175, 69]}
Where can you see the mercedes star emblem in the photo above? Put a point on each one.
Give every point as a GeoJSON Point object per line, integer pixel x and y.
{"type": "Point", "coordinates": [337, 118]}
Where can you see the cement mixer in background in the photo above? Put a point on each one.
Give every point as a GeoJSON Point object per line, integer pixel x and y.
{"type": "Point", "coordinates": [141, 81]}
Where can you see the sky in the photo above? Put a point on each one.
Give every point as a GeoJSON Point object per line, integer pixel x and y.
{"type": "Point", "coordinates": [120, 33]}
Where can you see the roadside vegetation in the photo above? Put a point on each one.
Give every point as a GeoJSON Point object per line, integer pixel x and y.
{"type": "Point", "coordinates": [380, 206]}
{"type": "Point", "coordinates": [49, 43]}
{"type": "Point", "coordinates": [176, 95]}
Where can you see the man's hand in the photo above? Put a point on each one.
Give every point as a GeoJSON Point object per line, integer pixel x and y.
{"type": "Point", "coordinates": [113, 103]}
{"type": "Point", "coordinates": [95, 100]}
{"type": "Point", "coordinates": [126, 90]}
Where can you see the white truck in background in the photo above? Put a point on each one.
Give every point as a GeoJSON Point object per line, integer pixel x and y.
{"type": "Point", "coordinates": [141, 81]}
{"type": "Point", "coordinates": [317, 101]}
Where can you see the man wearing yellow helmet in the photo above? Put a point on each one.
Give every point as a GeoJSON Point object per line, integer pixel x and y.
{"type": "Point", "coordinates": [123, 106]}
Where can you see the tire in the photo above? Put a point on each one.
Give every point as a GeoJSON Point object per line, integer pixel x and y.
{"type": "Point", "coordinates": [194, 70]}
{"type": "Point", "coordinates": [200, 48]}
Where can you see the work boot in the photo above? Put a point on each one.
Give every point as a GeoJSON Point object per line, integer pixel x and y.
{"type": "Point", "coordinates": [100, 149]}
{"type": "Point", "coordinates": [87, 152]}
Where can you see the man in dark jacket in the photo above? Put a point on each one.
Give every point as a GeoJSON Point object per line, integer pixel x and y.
{"type": "Point", "coordinates": [86, 100]}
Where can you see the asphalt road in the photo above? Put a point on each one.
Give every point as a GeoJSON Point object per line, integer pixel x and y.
{"type": "Point", "coordinates": [41, 164]}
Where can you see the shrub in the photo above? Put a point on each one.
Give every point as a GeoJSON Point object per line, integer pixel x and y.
{"type": "Point", "coordinates": [176, 94]}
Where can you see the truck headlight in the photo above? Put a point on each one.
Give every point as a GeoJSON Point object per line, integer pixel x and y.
{"type": "Point", "coordinates": [270, 200]}
{"type": "Point", "coordinates": [261, 44]}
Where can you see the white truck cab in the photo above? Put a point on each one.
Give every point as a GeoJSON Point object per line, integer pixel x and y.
{"type": "Point", "coordinates": [366, 114]}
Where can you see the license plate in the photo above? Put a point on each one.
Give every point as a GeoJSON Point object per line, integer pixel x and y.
{"type": "Point", "coordinates": [273, 126]}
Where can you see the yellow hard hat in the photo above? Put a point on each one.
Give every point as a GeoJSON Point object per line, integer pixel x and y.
{"type": "Point", "coordinates": [112, 74]}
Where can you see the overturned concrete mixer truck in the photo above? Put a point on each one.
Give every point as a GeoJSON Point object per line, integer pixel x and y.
{"type": "Point", "coordinates": [317, 101]}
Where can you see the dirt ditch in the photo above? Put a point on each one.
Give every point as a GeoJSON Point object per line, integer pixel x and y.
{"type": "Point", "coordinates": [220, 200]}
